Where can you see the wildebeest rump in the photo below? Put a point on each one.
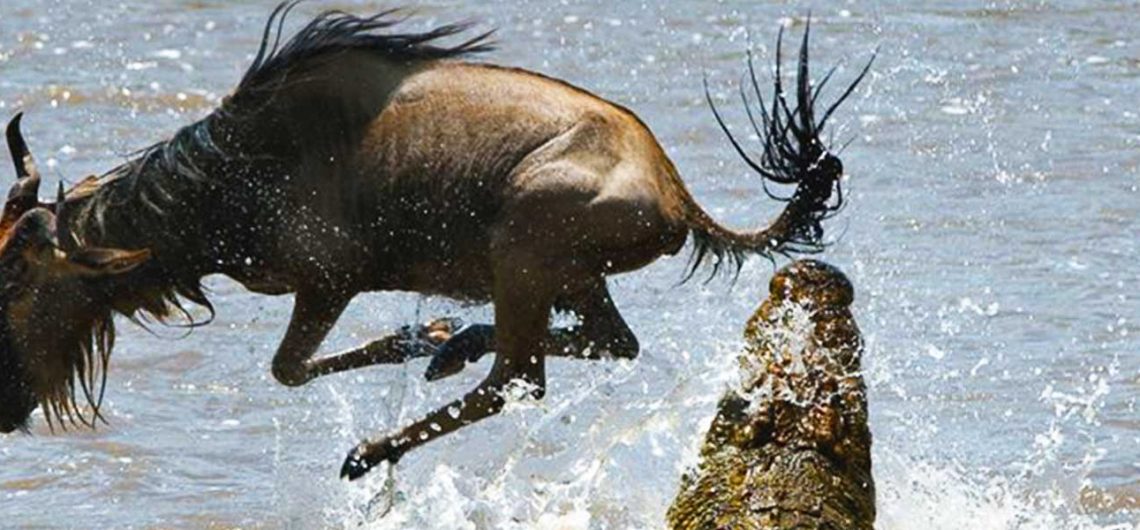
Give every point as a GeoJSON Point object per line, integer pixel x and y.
{"type": "Point", "coordinates": [353, 158]}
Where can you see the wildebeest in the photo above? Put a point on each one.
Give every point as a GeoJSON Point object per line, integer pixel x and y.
{"type": "Point", "coordinates": [356, 158]}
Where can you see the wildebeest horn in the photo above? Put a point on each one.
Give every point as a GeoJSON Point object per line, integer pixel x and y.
{"type": "Point", "coordinates": [24, 193]}
{"type": "Point", "coordinates": [62, 227]}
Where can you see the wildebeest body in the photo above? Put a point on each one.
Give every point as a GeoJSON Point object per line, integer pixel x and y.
{"type": "Point", "coordinates": [412, 197]}
{"type": "Point", "coordinates": [348, 161]}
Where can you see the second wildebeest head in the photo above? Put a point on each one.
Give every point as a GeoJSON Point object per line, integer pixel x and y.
{"type": "Point", "coordinates": [55, 309]}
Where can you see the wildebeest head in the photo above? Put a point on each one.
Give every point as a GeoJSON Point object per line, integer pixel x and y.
{"type": "Point", "coordinates": [55, 319]}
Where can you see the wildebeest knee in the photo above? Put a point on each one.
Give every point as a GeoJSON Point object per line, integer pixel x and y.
{"type": "Point", "coordinates": [290, 373]}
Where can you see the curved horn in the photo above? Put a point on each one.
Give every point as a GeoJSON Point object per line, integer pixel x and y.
{"type": "Point", "coordinates": [24, 193]}
{"type": "Point", "coordinates": [63, 235]}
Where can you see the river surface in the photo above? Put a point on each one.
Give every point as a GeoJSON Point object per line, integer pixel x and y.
{"type": "Point", "coordinates": [992, 236]}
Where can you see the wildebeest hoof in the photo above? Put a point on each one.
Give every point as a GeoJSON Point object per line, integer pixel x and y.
{"type": "Point", "coordinates": [291, 374]}
{"type": "Point", "coordinates": [355, 466]}
{"type": "Point", "coordinates": [450, 359]}
{"type": "Point", "coordinates": [423, 340]}
{"type": "Point", "coordinates": [362, 458]}
{"type": "Point", "coordinates": [467, 346]}
{"type": "Point", "coordinates": [444, 364]}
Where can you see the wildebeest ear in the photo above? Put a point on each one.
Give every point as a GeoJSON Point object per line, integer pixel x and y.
{"type": "Point", "coordinates": [32, 232]}
{"type": "Point", "coordinates": [106, 261]}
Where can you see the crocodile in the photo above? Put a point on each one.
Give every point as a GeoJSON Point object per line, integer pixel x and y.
{"type": "Point", "coordinates": [790, 447]}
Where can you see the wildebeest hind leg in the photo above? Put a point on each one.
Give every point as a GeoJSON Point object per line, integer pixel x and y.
{"type": "Point", "coordinates": [601, 333]}
{"type": "Point", "coordinates": [523, 297]}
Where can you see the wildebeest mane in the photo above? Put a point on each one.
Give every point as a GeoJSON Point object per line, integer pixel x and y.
{"type": "Point", "coordinates": [335, 32]}
{"type": "Point", "coordinates": [329, 33]}
{"type": "Point", "coordinates": [148, 199]}
{"type": "Point", "coordinates": [162, 172]}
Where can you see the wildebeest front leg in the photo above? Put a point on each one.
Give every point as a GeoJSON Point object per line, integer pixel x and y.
{"type": "Point", "coordinates": [602, 332]}
{"type": "Point", "coordinates": [409, 343]}
{"type": "Point", "coordinates": [315, 314]}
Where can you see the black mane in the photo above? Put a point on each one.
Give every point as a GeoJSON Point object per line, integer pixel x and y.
{"type": "Point", "coordinates": [336, 31]}
{"type": "Point", "coordinates": [330, 32]}
{"type": "Point", "coordinates": [183, 158]}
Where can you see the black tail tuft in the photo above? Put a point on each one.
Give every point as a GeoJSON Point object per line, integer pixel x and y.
{"type": "Point", "coordinates": [792, 152]}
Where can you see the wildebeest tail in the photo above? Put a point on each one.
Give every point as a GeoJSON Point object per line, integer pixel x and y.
{"type": "Point", "coordinates": [792, 153]}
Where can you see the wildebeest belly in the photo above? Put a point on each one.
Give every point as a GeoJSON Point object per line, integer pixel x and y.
{"type": "Point", "coordinates": [467, 279]}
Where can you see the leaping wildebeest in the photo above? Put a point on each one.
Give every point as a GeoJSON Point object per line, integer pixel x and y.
{"type": "Point", "coordinates": [355, 158]}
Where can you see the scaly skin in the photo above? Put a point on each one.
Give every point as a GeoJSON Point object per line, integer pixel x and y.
{"type": "Point", "coordinates": [791, 448]}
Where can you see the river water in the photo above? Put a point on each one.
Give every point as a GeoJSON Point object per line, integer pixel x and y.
{"type": "Point", "coordinates": [992, 236]}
